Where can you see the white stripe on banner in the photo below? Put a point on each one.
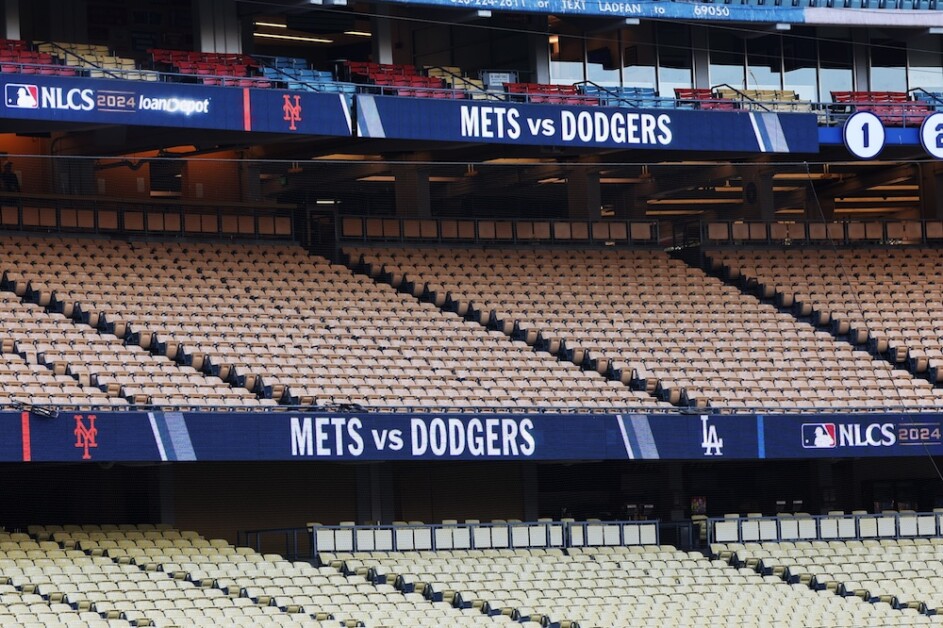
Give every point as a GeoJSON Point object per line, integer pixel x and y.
{"type": "Point", "coordinates": [179, 436]}
{"type": "Point", "coordinates": [368, 114]}
{"type": "Point", "coordinates": [756, 132]}
{"type": "Point", "coordinates": [774, 132]}
{"type": "Point", "coordinates": [346, 109]}
{"type": "Point", "coordinates": [647, 448]}
{"type": "Point", "coordinates": [625, 437]}
{"type": "Point", "coordinates": [157, 438]}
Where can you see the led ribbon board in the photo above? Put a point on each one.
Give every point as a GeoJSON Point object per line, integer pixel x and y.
{"type": "Point", "coordinates": [233, 436]}
{"type": "Point", "coordinates": [179, 105]}
{"type": "Point", "coordinates": [587, 127]}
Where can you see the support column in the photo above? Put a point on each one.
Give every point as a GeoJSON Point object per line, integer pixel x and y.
{"type": "Point", "coordinates": [382, 36]}
{"type": "Point", "coordinates": [530, 489]}
{"type": "Point", "coordinates": [217, 24]}
{"type": "Point", "coordinates": [540, 59]}
{"type": "Point", "coordinates": [758, 202]}
{"type": "Point", "coordinates": [701, 63]}
{"type": "Point", "coordinates": [374, 493]}
{"type": "Point", "coordinates": [11, 19]}
{"type": "Point", "coordinates": [412, 191]}
{"type": "Point", "coordinates": [583, 194]}
{"type": "Point", "coordinates": [931, 190]}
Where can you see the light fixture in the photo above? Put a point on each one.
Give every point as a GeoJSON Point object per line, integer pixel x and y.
{"type": "Point", "coordinates": [804, 176]}
{"type": "Point", "coordinates": [895, 188]}
{"type": "Point", "coordinates": [378, 178]}
{"type": "Point", "coordinates": [694, 201]}
{"type": "Point", "coordinates": [358, 33]}
{"type": "Point", "coordinates": [270, 24]}
{"type": "Point", "coordinates": [346, 157]}
{"type": "Point", "coordinates": [552, 180]}
{"type": "Point", "coordinates": [609, 180]}
{"type": "Point", "coordinates": [674, 212]}
{"type": "Point", "coordinates": [877, 199]}
{"type": "Point", "coordinates": [313, 40]}
{"type": "Point", "coordinates": [869, 210]}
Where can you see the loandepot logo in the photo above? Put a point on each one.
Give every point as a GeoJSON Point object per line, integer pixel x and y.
{"type": "Point", "coordinates": [21, 96]}
{"type": "Point", "coordinates": [185, 106]}
{"type": "Point", "coordinates": [830, 436]}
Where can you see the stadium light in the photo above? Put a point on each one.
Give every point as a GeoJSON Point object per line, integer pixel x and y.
{"type": "Point", "coordinates": [314, 40]}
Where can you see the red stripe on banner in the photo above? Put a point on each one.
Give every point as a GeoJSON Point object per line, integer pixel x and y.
{"type": "Point", "coordinates": [27, 448]}
{"type": "Point", "coordinates": [246, 110]}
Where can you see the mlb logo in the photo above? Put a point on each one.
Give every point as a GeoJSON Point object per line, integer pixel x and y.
{"type": "Point", "coordinates": [21, 96]}
{"type": "Point", "coordinates": [818, 436]}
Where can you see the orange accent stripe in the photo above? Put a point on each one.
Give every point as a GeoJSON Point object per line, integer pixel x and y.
{"type": "Point", "coordinates": [246, 109]}
{"type": "Point", "coordinates": [27, 449]}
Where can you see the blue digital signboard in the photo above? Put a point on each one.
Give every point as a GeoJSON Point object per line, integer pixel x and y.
{"type": "Point", "coordinates": [180, 105]}
{"type": "Point", "coordinates": [230, 436]}
{"type": "Point", "coordinates": [587, 127]}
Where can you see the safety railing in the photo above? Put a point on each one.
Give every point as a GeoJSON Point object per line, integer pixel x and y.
{"type": "Point", "coordinates": [891, 232]}
{"type": "Point", "coordinates": [470, 535]}
{"type": "Point", "coordinates": [802, 527]}
{"type": "Point", "coordinates": [353, 229]}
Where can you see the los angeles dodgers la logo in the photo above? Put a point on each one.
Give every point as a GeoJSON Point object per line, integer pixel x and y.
{"type": "Point", "coordinates": [292, 110]}
{"type": "Point", "coordinates": [711, 443]}
{"type": "Point", "coordinates": [85, 435]}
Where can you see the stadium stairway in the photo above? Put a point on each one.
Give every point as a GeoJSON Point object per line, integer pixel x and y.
{"type": "Point", "coordinates": [907, 355]}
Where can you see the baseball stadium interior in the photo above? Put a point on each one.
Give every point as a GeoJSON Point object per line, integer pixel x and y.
{"type": "Point", "coordinates": [543, 313]}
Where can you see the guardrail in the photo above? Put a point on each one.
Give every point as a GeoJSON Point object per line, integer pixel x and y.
{"type": "Point", "coordinates": [353, 229]}
{"type": "Point", "coordinates": [48, 409]}
{"type": "Point", "coordinates": [899, 232]}
{"type": "Point", "coordinates": [824, 527]}
{"type": "Point", "coordinates": [468, 535]}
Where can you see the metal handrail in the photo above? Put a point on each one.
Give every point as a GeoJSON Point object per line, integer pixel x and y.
{"type": "Point", "coordinates": [743, 96]}
{"type": "Point", "coordinates": [771, 528]}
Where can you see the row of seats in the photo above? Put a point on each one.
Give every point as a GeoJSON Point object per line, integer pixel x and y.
{"type": "Point", "coordinates": [617, 586]}
{"type": "Point", "coordinates": [893, 108]}
{"type": "Point", "coordinates": [647, 319]}
{"type": "Point", "coordinates": [96, 61]}
{"type": "Point", "coordinates": [157, 575]}
{"type": "Point", "coordinates": [169, 324]}
{"type": "Point", "coordinates": [886, 299]}
{"type": "Point", "coordinates": [549, 93]}
{"type": "Point", "coordinates": [902, 572]}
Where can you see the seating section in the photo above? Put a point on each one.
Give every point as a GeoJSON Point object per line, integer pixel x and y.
{"type": "Point", "coordinates": [106, 576]}
{"type": "Point", "coordinates": [889, 300]}
{"type": "Point", "coordinates": [658, 323]}
{"type": "Point", "coordinates": [275, 321]}
{"type": "Point", "coordinates": [17, 56]}
{"type": "Point", "coordinates": [641, 97]}
{"type": "Point", "coordinates": [296, 73]}
{"type": "Point", "coordinates": [619, 586]}
{"type": "Point", "coordinates": [702, 98]}
{"type": "Point", "coordinates": [400, 80]}
{"type": "Point", "coordinates": [211, 68]}
{"type": "Point", "coordinates": [933, 100]}
{"type": "Point", "coordinates": [899, 572]}
{"type": "Point", "coordinates": [453, 77]}
{"type": "Point", "coordinates": [893, 108]}
{"type": "Point", "coordinates": [96, 61]}
{"type": "Point", "coordinates": [548, 93]}
{"type": "Point", "coordinates": [767, 100]}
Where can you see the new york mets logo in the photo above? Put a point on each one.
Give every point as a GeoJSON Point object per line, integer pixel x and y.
{"type": "Point", "coordinates": [292, 111]}
{"type": "Point", "coordinates": [85, 435]}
